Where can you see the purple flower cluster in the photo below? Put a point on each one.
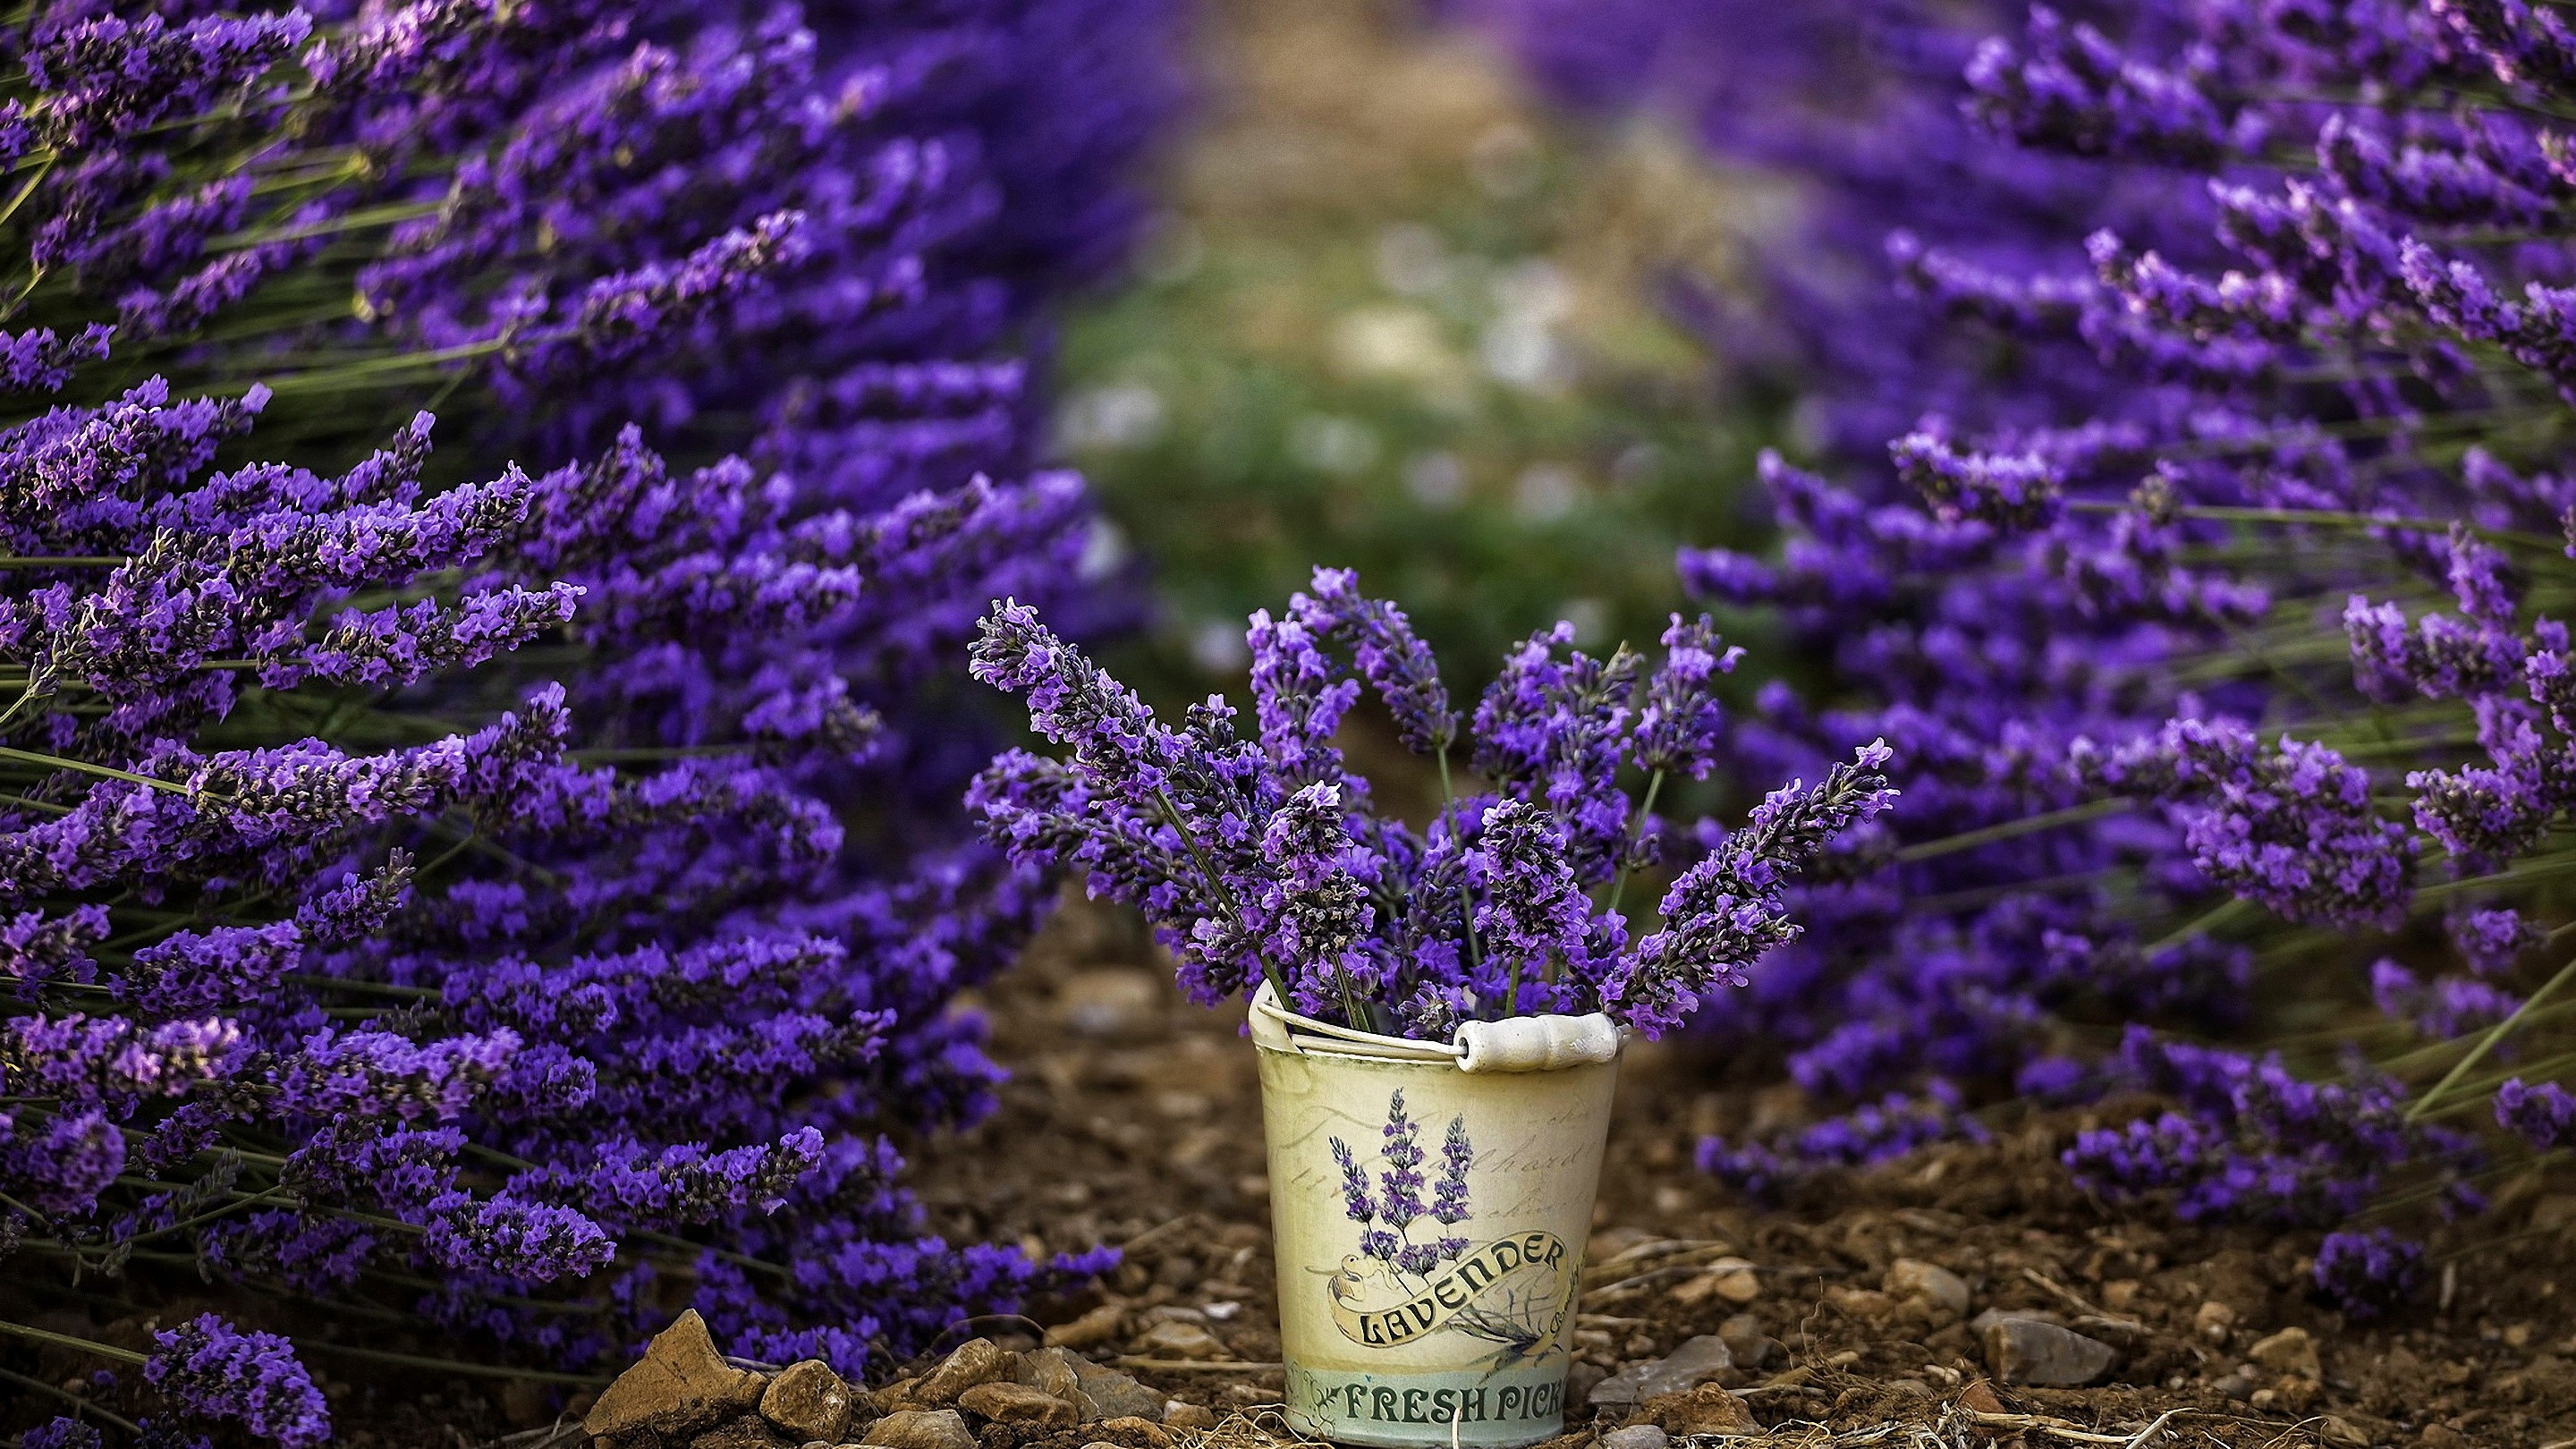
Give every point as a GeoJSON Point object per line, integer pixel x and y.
{"type": "Point", "coordinates": [425, 879]}
{"type": "Point", "coordinates": [1388, 1209]}
{"type": "Point", "coordinates": [2189, 385]}
{"type": "Point", "coordinates": [1259, 858]}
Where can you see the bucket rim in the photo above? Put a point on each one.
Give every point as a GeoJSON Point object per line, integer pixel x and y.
{"type": "Point", "coordinates": [1515, 1044]}
{"type": "Point", "coordinates": [1285, 1027]}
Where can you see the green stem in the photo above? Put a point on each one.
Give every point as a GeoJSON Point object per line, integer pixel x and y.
{"type": "Point", "coordinates": [451, 1366]}
{"type": "Point", "coordinates": [1216, 883]}
{"type": "Point", "coordinates": [27, 190]}
{"type": "Point", "coordinates": [2011, 829]}
{"type": "Point", "coordinates": [62, 561]}
{"type": "Point", "coordinates": [1466, 905]}
{"type": "Point", "coordinates": [65, 1340]}
{"type": "Point", "coordinates": [80, 1405]}
{"type": "Point", "coordinates": [2486, 1043]}
{"type": "Point", "coordinates": [1636, 831]}
{"type": "Point", "coordinates": [57, 762]}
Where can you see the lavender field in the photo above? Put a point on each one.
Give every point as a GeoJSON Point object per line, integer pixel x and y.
{"type": "Point", "coordinates": [675, 679]}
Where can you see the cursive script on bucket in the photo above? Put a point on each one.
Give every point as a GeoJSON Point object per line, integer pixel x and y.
{"type": "Point", "coordinates": [1445, 1296]}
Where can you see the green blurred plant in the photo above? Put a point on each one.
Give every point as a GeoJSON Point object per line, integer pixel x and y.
{"type": "Point", "coordinates": [1397, 322]}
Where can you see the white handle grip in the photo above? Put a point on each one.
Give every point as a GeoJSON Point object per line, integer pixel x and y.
{"type": "Point", "coordinates": [1537, 1043]}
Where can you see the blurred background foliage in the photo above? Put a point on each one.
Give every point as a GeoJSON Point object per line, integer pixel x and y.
{"type": "Point", "coordinates": [1396, 316]}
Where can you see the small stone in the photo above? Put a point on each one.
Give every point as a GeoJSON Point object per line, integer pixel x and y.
{"type": "Point", "coordinates": [2027, 1351]}
{"type": "Point", "coordinates": [808, 1400]}
{"type": "Point", "coordinates": [976, 1361]}
{"type": "Point", "coordinates": [1178, 1414]}
{"type": "Point", "coordinates": [1981, 1398]}
{"type": "Point", "coordinates": [1136, 1429]}
{"type": "Point", "coordinates": [1707, 1409]}
{"type": "Point", "coordinates": [1177, 1338]}
{"type": "Point", "coordinates": [1018, 1404]}
{"type": "Point", "coordinates": [2213, 1321]}
{"type": "Point", "coordinates": [1091, 1330]}
{"type": "Point", "coordinates": [2237, 1386]}
{"type": "Point", "coordinates": [1746, 1342]}
{"type": "Point", "coordinates": [1637, 1436]}
{"type": "Point", "coordinates": [896, 1395]}
{"type": "Point", "coordinates": [1914, 1278]}
{"type": "Point", "coordinates": [1992, 1316]}
{"type": "Point", "coordinates": [2441, 1436]}
{"type": "Point", "coordinates": [679, 1385]}
{"type": "Point", "coordinates": [2290, 1351]}
{"type": "Point", "coordinates": [1052, 1371]}
{"type": "Point", "coordinates": [1114, 1395]}
{"type": "Point", "coordinates": [1685, 1368]}
{"type": "Point", "coordinates": [920, 1429]}
{"type": "Point", "coordinates": [1729, 1279]}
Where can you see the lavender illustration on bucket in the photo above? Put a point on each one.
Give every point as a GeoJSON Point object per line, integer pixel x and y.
{"type": "Point", "coordinates": [1416, 1274]}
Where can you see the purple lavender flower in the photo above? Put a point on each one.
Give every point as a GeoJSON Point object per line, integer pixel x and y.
{"type": "Point", "coordinates": [215, 1371]}
{"type": "Point", "coordinates": [1387, 654]}
{"type": "Point", "coordinates": [1260, 860]}
{"type": "Point", "coordinates": [2543, 1115]}
{"type": "Point", "coordinates": [1357, 1203]}
{"type": "Point", "coordinates": [2367, 1274]}
{"type": "Point", "coordinates": [407, 819]}
{"type": "Point", "coordinates": [1449, 1195]}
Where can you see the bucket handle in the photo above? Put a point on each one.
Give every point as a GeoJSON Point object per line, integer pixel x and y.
{"type": "Point", "coordinates": [1515, 1044]}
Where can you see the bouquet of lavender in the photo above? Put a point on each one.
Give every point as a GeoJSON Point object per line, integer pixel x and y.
{"type": "Point", "coordinates": [423, 913]}
{"type": "Point", "coordinates": [1260, 859]}
{"type": "Point", "coordinates": [2237, 384]}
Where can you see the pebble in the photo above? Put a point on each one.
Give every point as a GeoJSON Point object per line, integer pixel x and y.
{"type": "Point", "coordinates": [1685, 1368]}
{"type": "Point", "coordinates": [2290, 1351]}
{"type": "Point", "coordinates": [1636, 1436]}
{"type": "Point", "coordinates": [1914, 1278]}
{"type": "Point", "coordinates": [1744, 1339]}
{"type": "Point", "coordinates": [1109, 1393]}
{"type": "Point", "coordinates": [1091, 1330]}
{"type": "Point", "coordinates": [1051, 1371]}
{"type": "Point", "coordinates": [1178, 1338]}
{"type": "Point", "coordinates": [1018, 1404]}
{"type": "Point", "coordinates": [1137, 1428]}
{"type": "Point", "coordinates": [976, 1361]}
{"type": "Point", "coordinates": [1178, 1414]}
{"type": "Point", "coordinates": [920, 1429]}
{"type": "Point", "coordinates": [1707, 1409]}
{"type": "Point", "coordinates": [2027, 1351]}
{"type": "Point", "coordinates": [808, 1400]}
{"type": "Point", "coordinates": [1730, 1279]}
{"type": "Point", "coordinates": [680, 1383]}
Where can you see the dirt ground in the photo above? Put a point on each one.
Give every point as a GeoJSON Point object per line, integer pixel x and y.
{"type": "Point", "coordinates": [1134, 1119]}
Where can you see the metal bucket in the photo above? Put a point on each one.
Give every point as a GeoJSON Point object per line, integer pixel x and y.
{"type": "Point", "coordinates": [1430, 1203]}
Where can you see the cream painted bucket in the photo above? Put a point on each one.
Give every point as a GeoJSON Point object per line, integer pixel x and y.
{"type": "Point", "coordinates": [1430, 1203]}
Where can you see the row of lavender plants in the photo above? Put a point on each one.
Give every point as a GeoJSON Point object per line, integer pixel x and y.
{"type": "Point", "coordinates": [460, 907]}
{"type": "Point", "coordinates": [2189, 511]}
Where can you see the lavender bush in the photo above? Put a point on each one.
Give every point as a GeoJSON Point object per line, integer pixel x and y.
{"type": "Point", "coordinates": [507, 900]}
{"type": "Point", "coordinates": [1260, 858]}
{"type": "Point", "coordinates": [2193, 538]}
